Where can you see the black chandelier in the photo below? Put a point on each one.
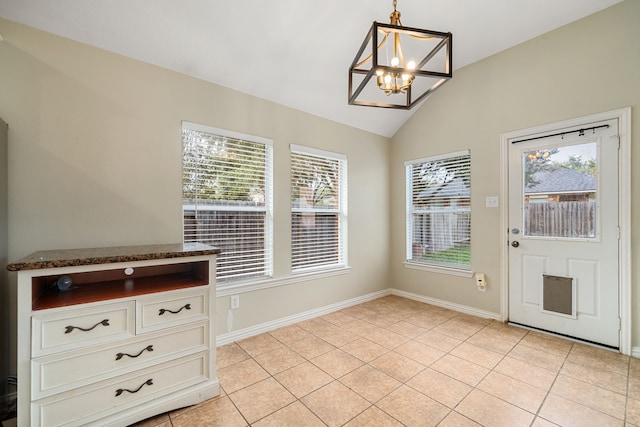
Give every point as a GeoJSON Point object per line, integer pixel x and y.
{"type": "Point", "coordinates": [386, 71]}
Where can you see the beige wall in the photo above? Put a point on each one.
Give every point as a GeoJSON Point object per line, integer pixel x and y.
{"type": "Point", "coordinates": [94, 154]}
{"type": "Point", "coordinates": [95, 160]}
{"type": "Point", "coordinates": [587, 67]}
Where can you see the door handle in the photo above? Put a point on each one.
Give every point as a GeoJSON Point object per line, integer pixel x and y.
{"type": "Point", "coordinates": [515, 243]}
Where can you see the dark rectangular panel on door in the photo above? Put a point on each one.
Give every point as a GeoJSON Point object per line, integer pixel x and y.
{"type": "Point", "coordinates": [557, 294]}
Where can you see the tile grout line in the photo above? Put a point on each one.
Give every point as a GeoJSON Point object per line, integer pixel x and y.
{"type": "Point", "coordinates": [365, 363]}
{"type": "Point", "coordinates": [414, 339]}
{"type": "Point", "coordinates": [389, 351]}
{"type": "Point", "coordinates": [537, 414]}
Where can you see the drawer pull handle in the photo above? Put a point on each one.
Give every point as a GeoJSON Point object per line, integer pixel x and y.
{"type": "Point", "coordinates": [164, 310]}
{"type": "Point", "coordinates": [122, 390]}
{"type": "Point", "coordinates": [121, 355]}
{"type": "Point", "coordinates": [68, 329]}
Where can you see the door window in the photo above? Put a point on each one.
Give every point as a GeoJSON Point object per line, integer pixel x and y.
{"type": "Point", "coordinates": [559, 197]}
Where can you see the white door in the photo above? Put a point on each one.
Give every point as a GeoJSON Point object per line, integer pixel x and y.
{"type": "Point", "coordinates": [563, 232]}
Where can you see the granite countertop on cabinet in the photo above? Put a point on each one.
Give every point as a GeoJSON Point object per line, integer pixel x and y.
{"type": "Point", "coordinates": [108, 255]}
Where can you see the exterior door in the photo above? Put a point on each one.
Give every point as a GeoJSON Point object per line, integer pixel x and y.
{"type": "Point", "coordinates": [563, 233]}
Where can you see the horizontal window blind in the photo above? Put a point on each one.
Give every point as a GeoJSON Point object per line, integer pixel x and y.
{"type": "Point", "coordinates": [227, 198]}
{"type": "Point", "coordinates": [318, 209]}
{"type": "Point", "coordinates": [439, 210]}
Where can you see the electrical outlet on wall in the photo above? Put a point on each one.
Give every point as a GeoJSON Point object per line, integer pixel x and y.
{"type": "Point", "coordinates": [235, 302]}
{"type": "Point", "coordinates": [481, 282]}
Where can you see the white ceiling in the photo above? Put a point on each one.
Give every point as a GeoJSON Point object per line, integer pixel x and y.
{"type": "Point", "coordinates": [293, 52]}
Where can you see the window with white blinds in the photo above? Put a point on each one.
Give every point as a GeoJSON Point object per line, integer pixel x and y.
{"type": "Point", "coordinates": [227, 199]}
{"type": "Point", "coordinates": [318, 209]}
{"type": "Point", "coordinates": [439, 210]}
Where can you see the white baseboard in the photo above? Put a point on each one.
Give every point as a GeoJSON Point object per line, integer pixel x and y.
{"type": "Point", "coordinates": [635, 352]}
{"type": "Point", "coordinates": [289, 320]}
{"type": "Point", "coordinates": [446, 304]}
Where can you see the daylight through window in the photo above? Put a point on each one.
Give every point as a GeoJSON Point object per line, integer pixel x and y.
{"type": "Point", "coordinates": [227, 199]}
{"type": "Point", "coordinates": [439, 210]}
{"type": "Point", "coordinates": [318, 209]}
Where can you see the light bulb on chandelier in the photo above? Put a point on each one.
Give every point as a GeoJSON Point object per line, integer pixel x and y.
{"type": "Point", "coordinates": [391, 81]}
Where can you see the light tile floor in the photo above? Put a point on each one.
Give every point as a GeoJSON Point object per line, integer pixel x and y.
{"type": "Point", "coordinates": [398, 362]}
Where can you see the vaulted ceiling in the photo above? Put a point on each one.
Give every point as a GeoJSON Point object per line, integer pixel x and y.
{"type": "Point", "coordinates": [293, 52]}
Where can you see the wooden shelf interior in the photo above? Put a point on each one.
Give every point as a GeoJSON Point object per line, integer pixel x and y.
{"type": "Point", "coordinates": [104, 285]}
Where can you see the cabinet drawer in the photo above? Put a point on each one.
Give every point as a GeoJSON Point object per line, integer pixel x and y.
{"type": "Point", "coordinates": [80, 327]}
{"type": "Point", "coordinates": [172, 309]}
{"type": "Point", "coordinates": [61, 372]}
{"type": "Point", "coordinates": [84, 405]}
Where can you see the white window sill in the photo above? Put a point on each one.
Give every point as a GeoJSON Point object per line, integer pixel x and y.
{"type": "Point", "coordinates": [238, 288]}
{"type": "Point", "coordinates": [436, 269]}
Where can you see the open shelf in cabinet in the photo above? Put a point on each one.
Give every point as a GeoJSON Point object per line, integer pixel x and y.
{"type": "Point", "coordinates": [101, 285]}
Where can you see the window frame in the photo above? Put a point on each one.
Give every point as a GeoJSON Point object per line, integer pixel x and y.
{"type": "Point", "coordinates": [455, 269]}
{"type": "Point", "coordinates": [341, 210]}
{"type": "Point", "coordinates": [268, 252]}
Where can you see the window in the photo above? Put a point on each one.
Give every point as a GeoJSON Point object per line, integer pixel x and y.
{"type": "Point", "coordinates": [227, 199]}
{"type": "Point", "coordinates": [560, 191]}
{"type": "Point", "coordinates": [439, 211]}
{"type": "Point", "coordinates": [318, 209]}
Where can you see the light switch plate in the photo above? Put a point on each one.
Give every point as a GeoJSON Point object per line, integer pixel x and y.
{"type": "Point", "coordinates": [492, 201]}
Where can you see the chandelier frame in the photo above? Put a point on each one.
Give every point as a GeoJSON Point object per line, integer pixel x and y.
{"type": "Point", "coordinates": [371, 41]}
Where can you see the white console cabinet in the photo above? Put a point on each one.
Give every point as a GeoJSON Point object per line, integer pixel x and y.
{"type": "Point", "coordinates": [131, 337]}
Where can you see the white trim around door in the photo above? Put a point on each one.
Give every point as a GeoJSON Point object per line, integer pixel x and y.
{"type": "Point", "coordinates": [623, 116]}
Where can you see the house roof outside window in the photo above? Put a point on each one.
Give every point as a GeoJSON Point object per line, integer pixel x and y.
{"type": "Point", "coordinates": [550, 181]}
{"type": "Point", "coordinates": [561, 180]}
{"type": "Point", "coordinates": [454, 189]}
